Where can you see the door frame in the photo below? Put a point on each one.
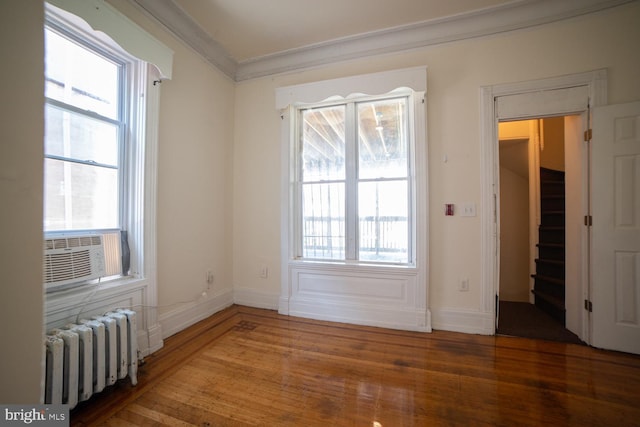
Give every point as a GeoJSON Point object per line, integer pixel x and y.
{"type": "Point", "coordinates": [515, 101]}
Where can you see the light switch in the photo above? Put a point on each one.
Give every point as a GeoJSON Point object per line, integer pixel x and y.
{"type": "Point", "coordinates": [468, 209]}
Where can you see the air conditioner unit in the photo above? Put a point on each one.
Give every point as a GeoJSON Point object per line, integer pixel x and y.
{"type": "Point", "coordinates": [73, 259]}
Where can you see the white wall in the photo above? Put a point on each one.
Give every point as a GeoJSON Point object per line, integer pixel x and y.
{"type": "Point", "coordinates": [21, 159]}
{"type": "Point", "coordinates": [514, 222]}
{"type": "Point", "coordinates": [195, 150]}
{"type": "Point", "coordinates": [256, 194]}
{"type": "Point", "coordinates": [552, 157]}
{"type": "Point", "coordinates": [456, 71]}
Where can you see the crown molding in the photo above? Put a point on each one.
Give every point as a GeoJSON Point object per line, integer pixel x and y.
{"type": "Point", "coordinates": [169, 14]}
{"type": "Point", "coordinates": [514, 15]}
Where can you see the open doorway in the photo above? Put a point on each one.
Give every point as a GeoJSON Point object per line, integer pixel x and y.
{"type": "Point", "coordinates": [533, 246]}
{"type": "Point", "coordinates": [574, 96]}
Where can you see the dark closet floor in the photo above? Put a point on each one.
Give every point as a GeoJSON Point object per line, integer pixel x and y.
{"type": "Point", "coordinates": [522, 319]}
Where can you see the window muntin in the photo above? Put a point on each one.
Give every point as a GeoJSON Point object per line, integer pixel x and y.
{"type": "Point", "coordinates": [355, 197]}
{"type": "Point", "coordinates": [84, 135]}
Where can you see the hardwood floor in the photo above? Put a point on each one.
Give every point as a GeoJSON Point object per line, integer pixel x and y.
{"type": "Point", "coordinates": [247, 366]}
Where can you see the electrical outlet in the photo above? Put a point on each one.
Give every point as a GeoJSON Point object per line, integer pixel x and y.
{"type": "Point", "coordinates": [463, 286]}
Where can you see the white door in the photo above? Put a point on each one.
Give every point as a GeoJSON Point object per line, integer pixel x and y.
{"type": "Point", "coordinates": [615, 248]}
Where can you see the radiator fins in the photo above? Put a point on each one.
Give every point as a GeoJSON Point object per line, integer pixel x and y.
{"type": "Point", "coordinates": [82, 359]}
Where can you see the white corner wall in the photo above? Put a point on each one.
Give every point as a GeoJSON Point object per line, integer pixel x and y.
{"type": "Point", "coordinates": [194, 213]}
{"type": "Point", "coordinates": [456, 73]}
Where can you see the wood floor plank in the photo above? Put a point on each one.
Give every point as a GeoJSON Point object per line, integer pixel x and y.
{"type": "Point", "coordinates": [248, 366]}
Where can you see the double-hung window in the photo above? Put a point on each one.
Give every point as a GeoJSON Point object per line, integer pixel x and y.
{"type": "Point", "coordinates": [99, 145]}
{"type": "Point", "coordinates": [85, 123]}
{"type": "Point", "coordinates": [355, 184]}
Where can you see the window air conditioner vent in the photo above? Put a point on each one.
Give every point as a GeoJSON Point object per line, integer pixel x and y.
{"type": "Point", "coordinates": [73, 259]}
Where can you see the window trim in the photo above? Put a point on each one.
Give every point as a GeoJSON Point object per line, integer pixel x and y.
{"type": "Point", "coordinates": [100, 16]}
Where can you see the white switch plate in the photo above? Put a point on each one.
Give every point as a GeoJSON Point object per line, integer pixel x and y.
{"type": "Point", "coordinates": [468, 209]}
{"type": "Point", "coordinates": [264, 271]}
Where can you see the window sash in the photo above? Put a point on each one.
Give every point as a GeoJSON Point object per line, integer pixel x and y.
{"type": "Point", "coordinates": [65, 74]}
{"type": "Point", "coordinates": [354, 246]}
{"type": "Point", "coordinates": [114, 160]}
{"type": "Point", "coordinates": [69, 112]}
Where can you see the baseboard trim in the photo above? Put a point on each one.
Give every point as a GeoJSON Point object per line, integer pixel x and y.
{"type": "Point", "coordinates": [405, 319]}
{"type": "Point", "coordinates": [283, 305]}
{"type": "Point", "coordinates": [255, 298]}
{"type": "Point", "coordinates": [188, 314]}
{"type": "Point", "coordinates": [155, 342]}
{"type": "Point", "coordinates": [466, 321]}
{"type": "Point", "coordinates": [454, 320]}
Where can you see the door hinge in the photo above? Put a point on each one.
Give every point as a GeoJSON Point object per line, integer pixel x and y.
{"type": "Point", "coordinates": [588, 220]}
{"type": "Point", "coordinates": [588, 306]}
{"type": "Point", "coordinates": [587, 135]}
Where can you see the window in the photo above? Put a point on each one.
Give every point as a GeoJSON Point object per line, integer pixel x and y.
{"type": "Point", "coordinates": [85, 126]}
{"type": "Point", "coordinates": [355, 188]}
{"type": "Point", "coordinates": [101, 106]}
{"type": "Point", "coordinates": [354, 217]}
{"type": "Point", "coordinates": [102, 121]}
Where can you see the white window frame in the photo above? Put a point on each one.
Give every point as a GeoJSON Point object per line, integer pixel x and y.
{"type": "Point", "coordinates": [395, 295]}
{"type": "Point", "coordinates": [351, 180]}
{"type": "Point", "coordinates": [132, 136]}
{"type": "Point", "coordinates": [130, 67]}
{"type": "Point", "coordinates": [152, 63]}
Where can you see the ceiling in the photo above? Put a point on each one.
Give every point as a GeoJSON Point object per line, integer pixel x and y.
{"type": "Point", "coordinates": [254, 28]}
{"type": "Point", "coordinates": [254, 38]}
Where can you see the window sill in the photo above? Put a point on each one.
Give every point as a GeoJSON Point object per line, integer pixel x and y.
{"type": "Point", "coordinates": [83, 288]}
{"type": "Point", "coordinates": [66, 306]}
{"type": "Point", "coordinates": [353, 266]}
